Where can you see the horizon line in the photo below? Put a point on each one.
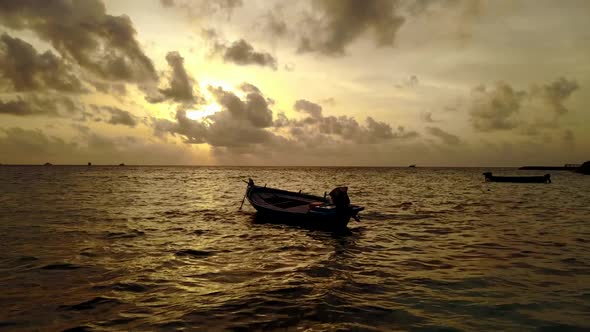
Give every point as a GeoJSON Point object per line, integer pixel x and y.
{"type": "Point", "coordinates": [312, 166]}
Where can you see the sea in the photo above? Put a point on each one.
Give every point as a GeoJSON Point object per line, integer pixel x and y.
{"type": "Point", "coordinates": [168, 249]}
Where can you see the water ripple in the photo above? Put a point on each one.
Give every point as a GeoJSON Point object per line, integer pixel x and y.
{"type": "Point", "coordinates": [165, 248]}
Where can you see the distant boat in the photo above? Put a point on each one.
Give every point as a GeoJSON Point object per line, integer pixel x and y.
{"type": "Point", "coordinates": [584, 168]}
{"type": "Point", "coordinates": [122, 164]}
{"type": "Point", "coordinates": [517, 179]}
{"type": "Point", "coordinates": [89, 164]}
{"type": "Point", "coordinates": [281, 206]}
{"type": "Point", "coordinates": [412, 166]}
{"type": "Point", "coordinates": [48, 164]}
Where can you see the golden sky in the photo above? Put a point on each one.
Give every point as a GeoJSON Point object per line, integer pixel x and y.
{"type": "Point", "coordinates": [311, 82]}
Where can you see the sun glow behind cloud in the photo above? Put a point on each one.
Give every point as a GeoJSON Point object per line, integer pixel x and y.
{"type": "Point", "coordinates": [188, 66]}
{"type": "Point", "coordinates": [203, 112]}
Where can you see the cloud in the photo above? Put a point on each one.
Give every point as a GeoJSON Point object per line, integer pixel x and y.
{"type": "Point", "coordinates": [343, 127]}
{"type": "Point", "coordinates": [18, 145]}
{"type": "Point", "coordinates": [81, 31]}
{"type": "Point", "coordinates": [242, 53]}
{"type": "Point", "coordinates": [31, 146]}
{"type": "Point", "coordinates": [556, 92]}
{"type": "Point", "coordinates": [447, 138]}
{"type": "Point", "coordinates": [568, 137]}
{"type": "Point", "coordinates": [241, 122]}
{"type": "Point", "coordinates": [120, 117]}
{"type": "Point", "coordinates": [118, 89]}
{"type": "Point", "coordinates": [198, 9]}
{"type": "Point", "coordinates": [24, 69]}
{"type": "Point", "coordinates": [61, 106]}
{"type": "Point", "coordinates": [501, 108]}
{"type": "Point", "coordinates": [193, 132]}
{"type": "Point", "coordinates": [247, 87]}
{"type": "Point", "coordinates": [246, 129]}
{"type": "Point", "coordinates": [410, 82]}
{"type": "Point", "coordinates": [167, 3]}
{"type": "Point", "coordinates": [275, 25]}
{"type": "Point", "coordinates": [335, 24]}
{"type": "Point", "coordinates": [254, 109]}
{"type": "Point", "coordinates": [180, 86]}
{"type": "Point", "coordinates": [314, 110]}
{"type": "Point", "coordinates": [427, 117]}
{"type": "Point", "coordinates": [331, 101]}
{"type": "Point", "coordinates": [41, 105]}
{"type": "Point", "coordinates": [464, 12]}
{"type": "Point", "coordinates": [494, 109]}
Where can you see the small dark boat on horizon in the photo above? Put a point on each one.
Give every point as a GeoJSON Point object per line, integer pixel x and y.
{"type": "Point", "coordinates": [412, 166]}
{"type": "Point", "coordinates": [584, 168]}
{"type": "Point", "coordinates": [296, 208]}
{"type": "Point", "coordinates": [517, 179]}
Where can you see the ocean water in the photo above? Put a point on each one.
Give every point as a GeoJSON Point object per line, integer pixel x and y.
{"type": "Point", "coordinates": [166, 248]}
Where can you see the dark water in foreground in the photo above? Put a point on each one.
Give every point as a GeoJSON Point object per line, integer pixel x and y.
{"type": "Point", "coordinates": [148, 248]}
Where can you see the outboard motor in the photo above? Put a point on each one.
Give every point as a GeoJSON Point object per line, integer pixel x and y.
{"type": "Point", "coordinates": [340, 198]}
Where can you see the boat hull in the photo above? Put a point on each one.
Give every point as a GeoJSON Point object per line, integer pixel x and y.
{"type": "Point", "coordinates": [304, 220]}
{"type": "Point", "coordinates": [517, 179]}
{"type": "Point", "coordinates": [284, 207]}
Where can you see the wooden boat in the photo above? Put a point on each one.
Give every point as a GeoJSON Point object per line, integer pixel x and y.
{"type": "Point", "coordinates": [276, 205]}
{"type": "Point", "coordinates": [517, 179]}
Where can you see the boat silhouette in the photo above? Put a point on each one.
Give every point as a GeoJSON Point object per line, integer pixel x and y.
{"type": "Point", "coordinates": [517, 179]}
{"type": "Point", "coordinates": [288, 207]}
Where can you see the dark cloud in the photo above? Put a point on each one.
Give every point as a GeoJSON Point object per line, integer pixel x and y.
{"type": "Point", "coordinates": [247, 87]}
{"type": "Point", "coordinates": [312, 109]}
{"type": "Point", "coordinates": [180, 86]}
{"type": "Point", "coordinates": [242, 53]}
{"type": "Point", "coordinates": [83, 32]}
{"type": "Point", "coordinates": [167, 3]}
{"type": "Point", "coordinates": [118, 89]}
{"type": "Point", "coordinates": [41, 105]}
{"type": "Point", "coordinates": [427, 117]}
{"type": "Point", "coordinates": [447, 138]}
{"type": "Point", "coordinates": [120, 117]}
{"type": "Point", "coordinates": [61, 106]}
{"type": "Point", "coordinates": [254, 109]}
{"type": "Point", "coordinates": [337, 23]}
{"type": "Point", "coordinates": [495, 109]}
{"type": "Point", "coordinates": [344, 127]}
{"type": "Point", "coordinates": [555, 93]}
{"type": "Point", "coordinates": [23, 69]}
{"type": "Point", "coordinates": [193, 132]}
{"type": "Point", "coordinates": [275, 25]}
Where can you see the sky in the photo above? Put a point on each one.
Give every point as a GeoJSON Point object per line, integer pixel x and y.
{"type": "Point", "coordinates": [299, 83]}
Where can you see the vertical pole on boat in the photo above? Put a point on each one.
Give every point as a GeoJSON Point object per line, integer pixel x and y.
{"type": "Point", "coordinates": [245, 194]}
{"type": "Point", "coordinates": [243, 199]}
